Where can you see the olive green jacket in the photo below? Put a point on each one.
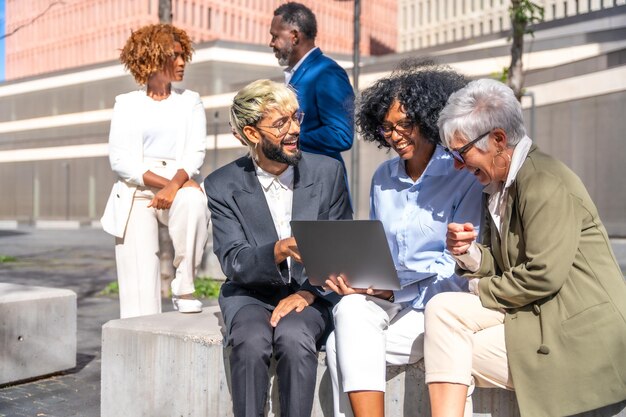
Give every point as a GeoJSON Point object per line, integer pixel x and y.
{"type": "Point", "coordinates": [557, 279]}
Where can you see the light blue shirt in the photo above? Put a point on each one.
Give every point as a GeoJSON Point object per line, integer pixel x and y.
{"type": "Point", "coordinates": [415, 216]}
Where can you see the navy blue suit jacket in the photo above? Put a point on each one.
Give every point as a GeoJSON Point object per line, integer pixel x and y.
{"type": "Point", "coordinates": [327, 100]}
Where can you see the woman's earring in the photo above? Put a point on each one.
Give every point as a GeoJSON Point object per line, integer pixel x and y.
{"type": "Point", "coordinates": [505, 160]}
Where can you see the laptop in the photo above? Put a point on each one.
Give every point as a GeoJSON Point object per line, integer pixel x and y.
{"type": "Point", "coordinates": [356, 249]}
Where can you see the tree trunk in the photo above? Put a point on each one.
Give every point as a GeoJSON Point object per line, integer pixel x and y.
{"type": "Point", "coordinates": [165, 11]}
{"type": "Point", "coordinates": [515, 77]}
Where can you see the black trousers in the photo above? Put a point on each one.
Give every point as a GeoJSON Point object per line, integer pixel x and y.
{"type": "Point", "coordinates": [293, 343]}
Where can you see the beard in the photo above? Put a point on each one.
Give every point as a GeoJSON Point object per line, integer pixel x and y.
{"type": "Point", "coordinates": [277, 154]}
{"type": "Point", "coordinates": [283, 55]}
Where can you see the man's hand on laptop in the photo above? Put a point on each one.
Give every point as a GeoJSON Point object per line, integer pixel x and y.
{"type": "Point", "coordinates": [339, 285]}
{"type": "Point", "coordinates": [285, 248]}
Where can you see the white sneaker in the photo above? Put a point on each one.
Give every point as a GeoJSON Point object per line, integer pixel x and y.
{"type": "Point", "coordinates": [185, 305]}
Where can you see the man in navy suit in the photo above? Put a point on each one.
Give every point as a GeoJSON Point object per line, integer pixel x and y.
{"type": "Point", "coordinates": [268, 305]}
{"type": "Point", "coordinates": [323, 88]}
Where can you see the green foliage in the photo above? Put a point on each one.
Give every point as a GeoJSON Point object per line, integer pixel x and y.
{"type": "Point", "coordinates": [6, 259]}
{"type": "Point", "coordinates": [524, 13]}
{"type": "Point", "coordinates": [502, 76]}
{"type": "Point", "coordinates": [207, 287]}
{"type": "Point", "coordinates": [112, 288]}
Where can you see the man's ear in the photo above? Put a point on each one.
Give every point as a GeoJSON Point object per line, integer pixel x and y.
{"type": "Point", "coordinates": [296, 36]}
{"type": "Point", "coordinates": [252, 134]}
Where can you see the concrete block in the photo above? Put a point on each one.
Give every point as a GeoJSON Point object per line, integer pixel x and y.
{"type": "Point", "coordinates": [37, 331]}
{"type": "Point", "coordinates": [8, 224]}
{"type": "Point", "coordinates": [168, 364]}
{"type": "Point", "coordinates": [174, 364]}
{"type": "Point", "coordinates": [57, 224]}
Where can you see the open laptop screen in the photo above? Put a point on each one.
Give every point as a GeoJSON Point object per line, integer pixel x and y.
{"type": "Point", "coordinates": [356, 249]}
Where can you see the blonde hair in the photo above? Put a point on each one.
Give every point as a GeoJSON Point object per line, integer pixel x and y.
{"type": "Point", "coordinates": [253, 102]}
{"type": "Point", "coordinates": [148, 49]}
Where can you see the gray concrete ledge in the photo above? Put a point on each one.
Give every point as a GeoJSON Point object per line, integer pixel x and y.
{"type": "Point", "coordinates": [37, 331]}
{"type": "Point", "coordinates": [8, 224]}
{"type": "Point", "coordinates": [57, 224]}
{"type": "Point", "coordinates": [168, 364]}
{"type": "Point", "coordinates": [174, 365]}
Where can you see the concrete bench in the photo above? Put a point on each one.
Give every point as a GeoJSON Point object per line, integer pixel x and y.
{"type": "Point", "coordinates": [173, 364]}
{"type": "Point", "coordinates": [37, 331]}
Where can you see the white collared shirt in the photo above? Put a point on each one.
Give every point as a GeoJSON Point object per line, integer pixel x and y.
{"type": "Point", "coordinates": [278, 191]}
{"type": "Point", "coordinates": [289, 71]}
{"type": "Point", "coordinates": [498, 193]}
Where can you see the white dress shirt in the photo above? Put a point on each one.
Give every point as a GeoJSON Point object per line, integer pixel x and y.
{"type": "Point", "coordinates": [289, 71]}
{"type": "Point", "coordinates": [278, 191]}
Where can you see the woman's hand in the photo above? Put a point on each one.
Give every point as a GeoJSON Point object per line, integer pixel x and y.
{"type": "Point", "coordinates": [298, 301]}
{"type": "Point", "coordinates": [460, 237]}
{"type": "Point", "coordinates": [163, 199]}
{"type": "Point", "coordinates": [339, 285]}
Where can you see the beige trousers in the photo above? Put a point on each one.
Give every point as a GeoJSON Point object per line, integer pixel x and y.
{"type": "Point", "coordinates": [136, 254]}
{"type": "Point", "coordinates": [464, 343]}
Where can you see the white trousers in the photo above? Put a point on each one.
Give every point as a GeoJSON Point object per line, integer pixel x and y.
{"type": "Point", "coordinates": [136, 254]}
{"type": "Point", "coordinates": [464, 344]}
{"type": "Point", "coordinates": [369, 334]}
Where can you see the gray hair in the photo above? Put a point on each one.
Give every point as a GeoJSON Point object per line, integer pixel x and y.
{"type": "Point", "coordinates": [478, 108]}
{"type": "Point", "coordinates": [253, 102]}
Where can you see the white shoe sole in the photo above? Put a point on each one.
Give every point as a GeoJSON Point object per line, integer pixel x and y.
{"type": "Point", "coordinates": [187, 306]}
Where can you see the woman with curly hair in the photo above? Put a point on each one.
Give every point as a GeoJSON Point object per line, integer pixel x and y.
{"type": "Point", "coordinates": [156, 148]}
{"type": "Point", "coordinates": [415, 196]}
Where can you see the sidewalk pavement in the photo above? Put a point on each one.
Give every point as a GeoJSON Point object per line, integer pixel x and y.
{"type": "Point", "coordinates": [81, 260]}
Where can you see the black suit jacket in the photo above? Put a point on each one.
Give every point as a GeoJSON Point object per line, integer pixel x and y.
{"type": "Point", "coordinates": [244, 235]}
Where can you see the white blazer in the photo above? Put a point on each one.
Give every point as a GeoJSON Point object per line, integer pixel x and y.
{"type": "Point", "coordinates": [126, 150]}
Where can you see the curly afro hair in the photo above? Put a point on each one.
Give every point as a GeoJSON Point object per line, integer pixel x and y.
{"type": "Point", "coordinates": [148, 49]}
{"type": "Point", "coordinates": [421, 87]}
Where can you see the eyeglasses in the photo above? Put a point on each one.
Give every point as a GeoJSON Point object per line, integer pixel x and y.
{"type": "Point", "coordinates": [403, 128]}
{"type": "Point", "coordinates": [283, 125]}
{"type": "Point", "coordinates": [457, 154]}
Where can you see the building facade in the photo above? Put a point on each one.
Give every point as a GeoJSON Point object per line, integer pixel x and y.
{"type": "Point", "coordinates": [427, 23]}
{"type": "Point", "coordinates": [54, 35]}
{"type": "Point", "coordinates": [54, 127]}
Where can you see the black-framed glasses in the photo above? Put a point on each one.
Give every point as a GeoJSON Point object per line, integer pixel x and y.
{"type": "Point", "coordinates": [404, 128]}
{"type": "Point", "coordinates": [283, 124]}
{"type": "Point", "coordinates": [457, 154]}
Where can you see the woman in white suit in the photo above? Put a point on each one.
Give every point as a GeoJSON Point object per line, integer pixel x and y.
{"type": "Point", "coordinates": [156, 148]}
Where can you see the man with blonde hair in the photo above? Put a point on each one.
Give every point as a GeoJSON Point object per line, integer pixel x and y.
{"type": "Point", "coordinates": [269, 307]}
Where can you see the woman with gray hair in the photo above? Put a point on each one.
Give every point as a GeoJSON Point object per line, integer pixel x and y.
{"type": "Point", "coordinates": [548, 315]}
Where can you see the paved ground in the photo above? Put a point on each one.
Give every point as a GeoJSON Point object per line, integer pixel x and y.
{"type": "Point", "coordinates": [83, 261]}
